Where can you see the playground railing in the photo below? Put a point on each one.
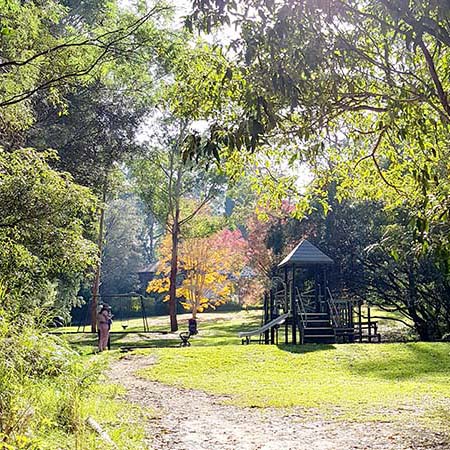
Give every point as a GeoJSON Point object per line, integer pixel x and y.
{"type": "Point", "coordinates": [301, 309]}
{"type": "Point", "coordinates": [334, 311]}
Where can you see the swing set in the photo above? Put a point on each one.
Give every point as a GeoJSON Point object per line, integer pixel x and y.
{"type": "Point", "coordinates": [124, 308]}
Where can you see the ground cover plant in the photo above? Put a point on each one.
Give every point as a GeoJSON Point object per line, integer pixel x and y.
{"type": "Point", "coordinates": [47, 391]}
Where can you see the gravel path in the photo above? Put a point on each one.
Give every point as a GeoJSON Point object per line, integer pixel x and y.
{"type": "Point", "coordinates": [194, 420]}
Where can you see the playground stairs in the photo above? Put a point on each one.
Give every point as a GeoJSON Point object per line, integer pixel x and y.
{"type": "Point", "coordinates": [317, 329]}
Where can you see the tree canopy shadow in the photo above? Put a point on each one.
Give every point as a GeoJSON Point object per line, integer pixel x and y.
{"type": "Point", "coordinates": [305, 348]}
{"type": "Point", "coordinates": [415, 361]}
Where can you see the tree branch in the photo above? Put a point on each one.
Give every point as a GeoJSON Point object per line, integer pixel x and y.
{"type": "Point", "coordinates": [89, 42]}
{"type": "Point", "coordinates": [437, 82]}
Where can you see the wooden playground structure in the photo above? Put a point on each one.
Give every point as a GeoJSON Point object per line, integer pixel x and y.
{"type": "Point", "coordinates": [301, 305]}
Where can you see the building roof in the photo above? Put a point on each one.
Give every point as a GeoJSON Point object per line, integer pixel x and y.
{"type": "Point", "coordinates": [305, 254]}
{"type": "Point", "coordinates": [151, 268]}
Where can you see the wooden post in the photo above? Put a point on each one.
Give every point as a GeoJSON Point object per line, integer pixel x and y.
{"type": "Point", "coordinates": [317, 290]}
{"type": "Point", "coordinates": [266, 317]}
{"type": "Point", "coordinates": [286, 301]}
{"type": "Point", "coordinates": [369, 327]}
{"type": "Point", "coordinates": [293, 308]}
{"type": "Point", "coordinates": [323, 287]}
{"type": "Point", "coordinates": [98, 270]}
{"type": "Point", "coordinates": [271, 316]}
{"type": "Point", "coordinates": [360, 320]}
{"type": "Point", "coordinates": [377, 335]}
{"type": "Point", "coordinates": [325, 282]}
{"type": "Point", "coordinates": [175, 230]}
{"type": "Point", "coordinates": [286, 290]}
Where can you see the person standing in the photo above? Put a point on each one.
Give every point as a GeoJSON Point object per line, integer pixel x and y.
{"type": "Point", "coordinates": [103, 324]}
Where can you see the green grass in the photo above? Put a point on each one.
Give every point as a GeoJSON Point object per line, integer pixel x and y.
{"type": "Point", "coordinates": [122, 420]}
{"type": "Point", "coordinates": [355, 378]}
{"type": "Point", "coordinates": [63, 419]}
{"type": "Point", "coordinates": [65, 403]}
{"type": "Point", "coordinates": [215, 329]}
{"type": "Point", "coordinates": [352, 382]}
{"type": "Point", "coordinates": [369, 382]}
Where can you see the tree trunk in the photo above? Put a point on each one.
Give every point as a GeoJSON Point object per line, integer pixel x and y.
{"type": "Point", "coordinates": [425, 324]}
{"type": "Point", "coordinates": [424, 330]}
{"type": "Point", "coordinates": [96, 286]}
{"type": "Point", "coordinates": [173, 274]}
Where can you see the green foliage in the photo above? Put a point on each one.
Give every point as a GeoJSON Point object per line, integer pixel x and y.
{"type": "Point", "coordinates": [29, 361]}
{"type": "Point", "coordinates": [173, 191]}
{"type": "Point", "coordinates": [203, 84]}
{"type": "Point", "coordinates": [47, 391]}
{"type": "Point", "coordinates": [96, 132]}
{"type": "Point", "coordinates": [355, 89]}
{"type": "Point", "coordinates": [25, 33]}
{"type": "Point", "coordinates": [46, 48]}
{"type": "Point", "coordinates": [45, 229]}
{"type": "Point", "coordinates": [203, 224]}
{"type": "Point", "coordinates": [400, 277]}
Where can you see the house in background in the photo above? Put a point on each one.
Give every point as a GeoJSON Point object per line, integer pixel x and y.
{"type": "Point", "coordinates": [146, 275]}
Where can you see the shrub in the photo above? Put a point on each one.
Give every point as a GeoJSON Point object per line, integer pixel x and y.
{"type": "Point", "coordinates": [42, 386]}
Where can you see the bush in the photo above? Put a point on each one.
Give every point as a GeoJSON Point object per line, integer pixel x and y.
{"type": "Point", "coordinates": [42, 386]}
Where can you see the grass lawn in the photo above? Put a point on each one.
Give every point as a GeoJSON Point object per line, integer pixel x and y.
{"type": "Point", "coordinates": [369, 382]}
{"type": "Point", "coordinates": [215, 329]}
{"type": "Point", "coordinates": [359, 381]}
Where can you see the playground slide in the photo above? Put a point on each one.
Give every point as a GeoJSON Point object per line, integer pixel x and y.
{"type": "Point", "coordinates": [278, 321]}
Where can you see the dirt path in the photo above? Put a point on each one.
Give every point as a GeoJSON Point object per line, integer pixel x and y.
{"type": "Point", "coordinates": [194, 420]}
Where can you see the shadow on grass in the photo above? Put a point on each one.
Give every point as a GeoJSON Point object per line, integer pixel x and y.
{"type": "Point", "coordinates": [416, 360]}
{"type": "Point", "coordinates": [305, 348]}
{"type": "Point", "coordinates": [85, 342]}
{"type": "Point", "coordinates": [227, 329]}
{"type": "Point", "coordinates": [154, 343]}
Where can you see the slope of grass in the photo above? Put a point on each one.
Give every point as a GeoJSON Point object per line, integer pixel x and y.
{"type": "Point", "coordinates": [358, 379]}
{"type": "Point", "coordinates": [353, 381]}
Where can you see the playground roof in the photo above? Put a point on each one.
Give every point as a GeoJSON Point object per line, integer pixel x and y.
{"type": "Point", "coordinates": [305, 254]}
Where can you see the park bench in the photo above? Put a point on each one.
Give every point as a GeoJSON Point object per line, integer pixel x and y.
{"type": "Point", "coordinates": [186, 335]}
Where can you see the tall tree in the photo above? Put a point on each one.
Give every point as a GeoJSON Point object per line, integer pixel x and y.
{"type": "Point", "coordinates": [360, 85]}
{"type": "Point", "coordinates": [163, 180]}
{"type": "Point", "coordinates": [46, 237]}
{"type": "Point", "coordinates": [211, 266]}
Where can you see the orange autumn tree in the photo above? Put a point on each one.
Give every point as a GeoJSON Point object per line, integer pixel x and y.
{"type": "Point", "coordinates": [209, 267]}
